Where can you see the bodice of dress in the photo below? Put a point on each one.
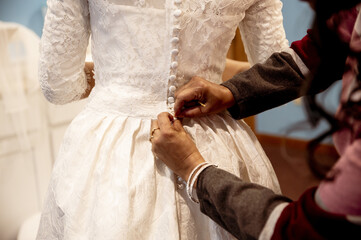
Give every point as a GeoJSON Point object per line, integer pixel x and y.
{"type": "Point", "coordinates": [144, 50]}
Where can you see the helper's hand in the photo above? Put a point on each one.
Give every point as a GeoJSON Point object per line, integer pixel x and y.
{"type": "Point", "coordinates": [172, 145]}
{"type": "Point", "coordinates": [200, 97]}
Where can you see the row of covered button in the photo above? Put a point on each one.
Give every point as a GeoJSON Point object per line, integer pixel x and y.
{"type": "Point", "coordinates": [173, 68]}
{"type": "Point", "coordinates": [177, 12]}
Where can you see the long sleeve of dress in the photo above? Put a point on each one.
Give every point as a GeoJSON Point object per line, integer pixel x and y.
{"type": "Point", "coordinates": [262, 30]}
{"type": "Point", "coordinates": [62, 50]}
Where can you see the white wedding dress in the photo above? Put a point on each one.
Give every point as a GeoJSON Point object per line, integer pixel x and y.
{"type": "Point", "coordinates": [106, 183]}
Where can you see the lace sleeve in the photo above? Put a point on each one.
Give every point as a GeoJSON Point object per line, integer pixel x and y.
{"type": "Point", "coordinates": [262, 30]}
{"type": "Point", "coordinates": [62, 50]}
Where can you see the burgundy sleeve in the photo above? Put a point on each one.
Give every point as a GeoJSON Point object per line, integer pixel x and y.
{"type": "Point", "coordinates": [304, 219]}
{"type": "Point", "coordinates": [306, 49]}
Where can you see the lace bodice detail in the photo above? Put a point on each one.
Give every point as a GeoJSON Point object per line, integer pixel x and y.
{"type": "Point", "coordinates": [148, 48]}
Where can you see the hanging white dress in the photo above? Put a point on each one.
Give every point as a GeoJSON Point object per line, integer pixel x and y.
{"type": "Point", "coordinates": [106, 183]}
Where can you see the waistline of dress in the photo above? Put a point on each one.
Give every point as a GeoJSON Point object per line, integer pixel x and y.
{"type": "Point", "coordinates": [126, 101]}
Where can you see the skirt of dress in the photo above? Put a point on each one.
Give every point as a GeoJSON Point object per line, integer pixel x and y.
{"type": "Point", "coordinates": [107, 184]}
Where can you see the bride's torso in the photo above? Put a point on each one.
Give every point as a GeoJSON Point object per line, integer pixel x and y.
{"type": "Point", "coordinates": [144, 50]}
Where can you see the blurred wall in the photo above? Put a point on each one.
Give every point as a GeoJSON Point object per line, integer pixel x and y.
{"type": "Point", "coordinates": [24, 173]}
{"type": "Point", "coordinates": [26, 12]}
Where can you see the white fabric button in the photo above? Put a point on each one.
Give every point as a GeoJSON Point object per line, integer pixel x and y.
{"type": "Point", "coordinates": [174, 65]}
{"type": "Point", "coordinates": [171, 108]}
{"type": "Point", "coordinates": [179, 179]}
{"type": "Point", "coordinates": [172, 88]}
{"type": "Point", "coordinates": [172, 77]}
{"type": "Point", "coordinates": [171, 99]}
{"type": "Point", "coordinates": [174, 40]}
{"type": "Point", "coordinates": [177, 13]}
{"type": "Point", "coordinates": [175, 51]}
{"type": "Point", "coordinates": [176, 29]}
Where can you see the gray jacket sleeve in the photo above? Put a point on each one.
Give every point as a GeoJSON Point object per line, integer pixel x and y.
{"type": "Point", "coordinates": [266, 85]}
{"type": "Point", "coordinates": [240, 207]}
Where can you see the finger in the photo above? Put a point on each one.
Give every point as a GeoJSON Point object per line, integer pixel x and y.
{"type": "Point", "coordinates": [195, 111]}
{"type": "Point", "coordinates": [177, 124]}
{"type": "Point", "coordinates": [165, 121]}
{"type": "Point", "coordinates": [153, 128]}
{"type": "Point", "coordinates": [191, 112]}
{"type": "Point", "coordinates": [184, 98]}
{"type": "Point", "coordinates": [154, 124]}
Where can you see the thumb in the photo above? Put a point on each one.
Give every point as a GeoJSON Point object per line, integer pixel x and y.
{"type": "Point", "coordinates": [194, 112]}
{"type": "Point", "coordinates": [177, 124]}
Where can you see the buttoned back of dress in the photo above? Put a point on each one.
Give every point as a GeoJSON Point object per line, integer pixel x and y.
{"type": "Point", "coordinates": [144, 50]}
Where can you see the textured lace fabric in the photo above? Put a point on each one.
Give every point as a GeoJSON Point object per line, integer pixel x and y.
{"type": "Point", "coordinates": [106, 183]}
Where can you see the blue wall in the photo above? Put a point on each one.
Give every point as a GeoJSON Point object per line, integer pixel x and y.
{"type": "Point", "coordinates": [298, 17]}
{"type": "Point", "coordinates": [25, 12]}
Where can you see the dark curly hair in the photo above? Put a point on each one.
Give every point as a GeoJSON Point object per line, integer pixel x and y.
{"type": "Point", "coordinates": [333, 53]}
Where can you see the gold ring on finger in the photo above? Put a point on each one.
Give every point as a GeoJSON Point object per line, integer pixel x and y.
{"type": "Point", "coordinates": [153, 130]}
